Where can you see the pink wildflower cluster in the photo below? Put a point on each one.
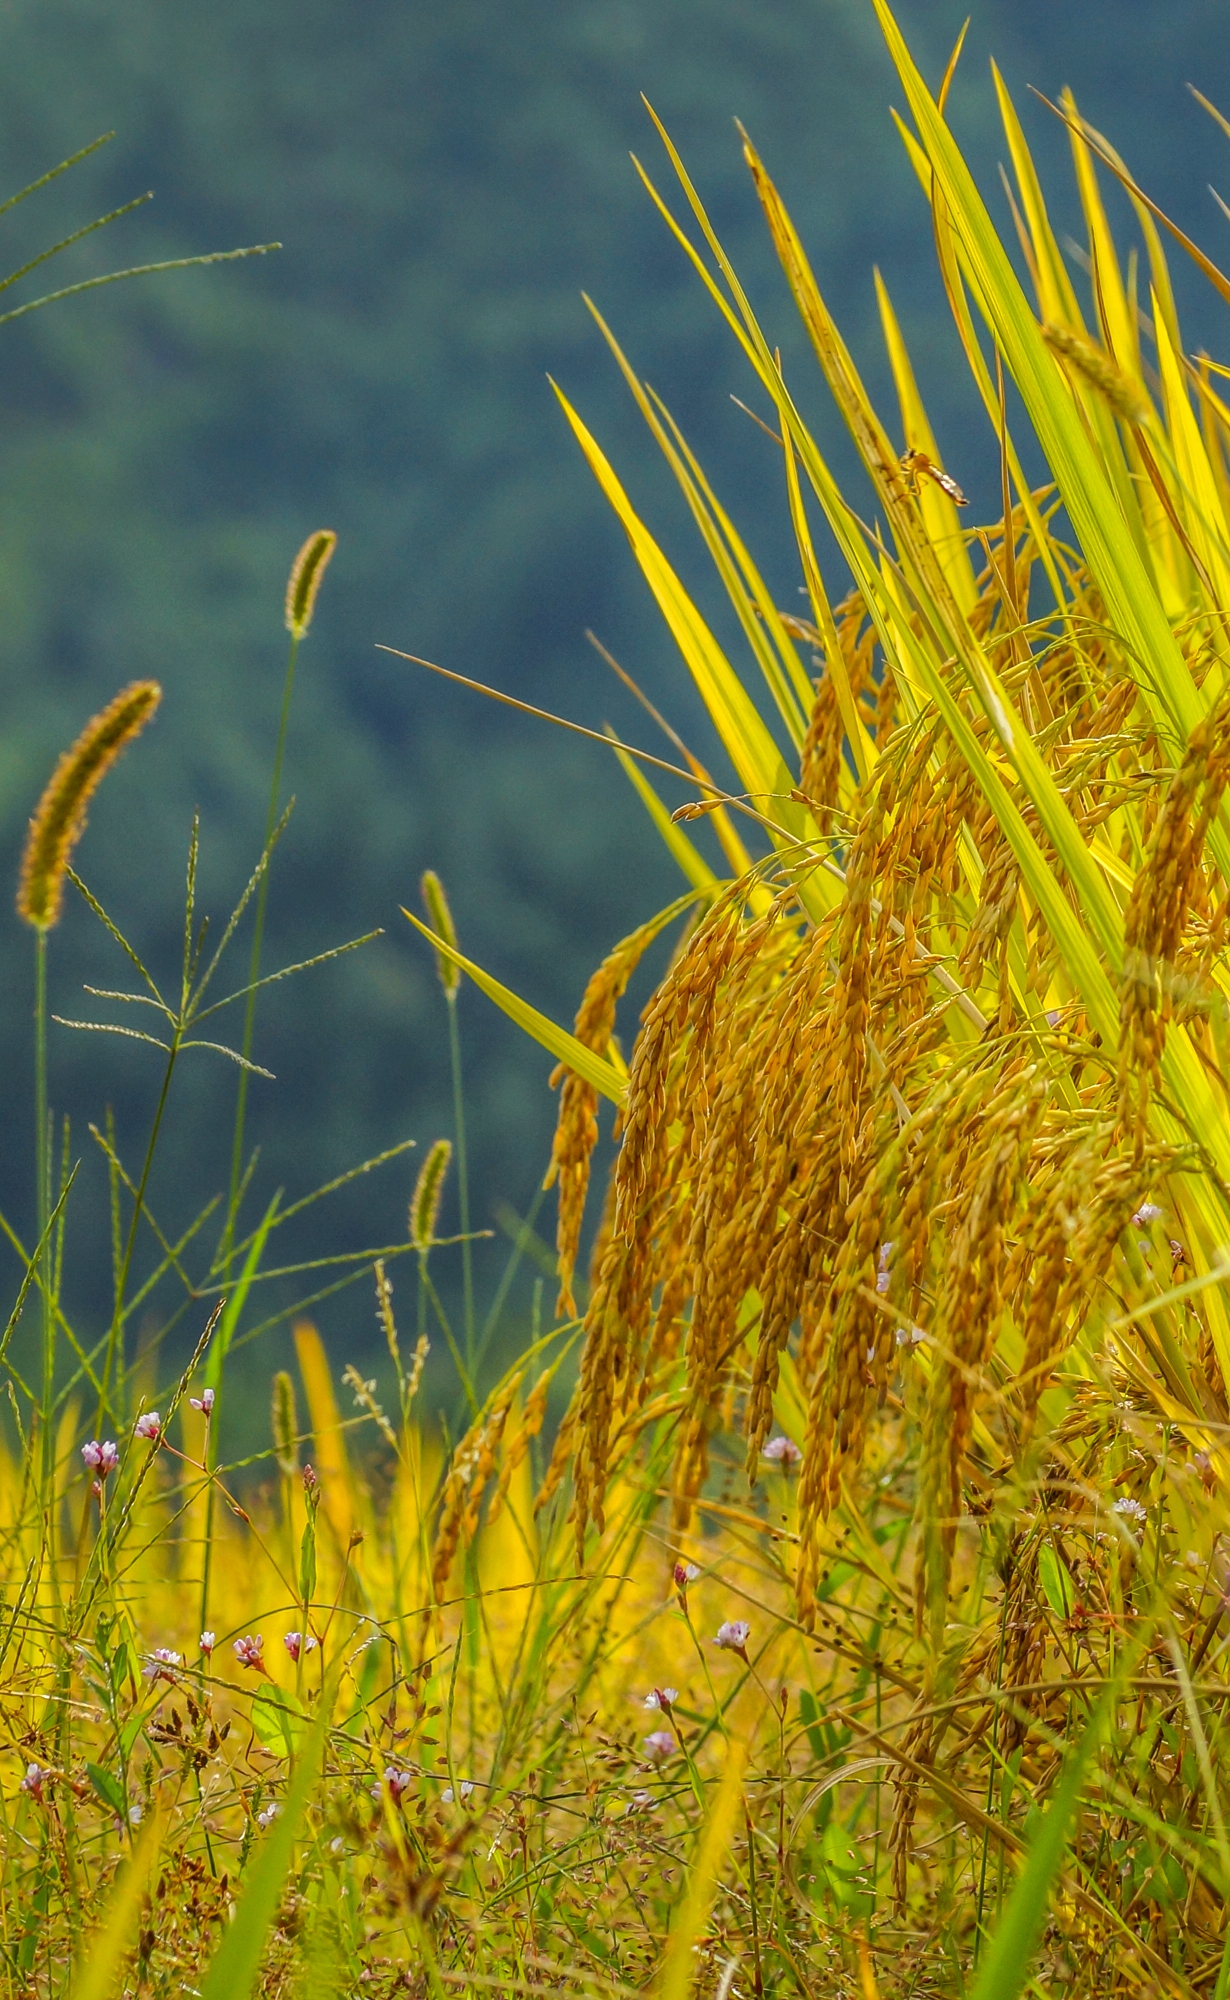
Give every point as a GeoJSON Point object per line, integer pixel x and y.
{"type": "Point", "coordinates": [250, 1652]}
{"type": "Point", "coordinates": [397, 1782]}
{"type": "Point", "coordinates": [204, 1403]}
{"type": "Point", "coordinates": [782, 1451]}
{"type": "Point", "coordinates": [148, 1425]}
{"type": "Point", "coordinates": [295, 1644]}
{"type": "Point", "coordinates": [161, 1665]}
{"type": "Point", "coordinates": [660, 1746]}
{"type": "Point", "coordinates": [101, 1460]}
{"type": "Point", "coordinates": [733, 1636]}
{"type": "Point", "coordinates": [684, 1574]}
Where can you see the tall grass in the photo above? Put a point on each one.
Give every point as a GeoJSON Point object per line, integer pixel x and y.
{"type": "Point", "coordinates": [862, 1628]}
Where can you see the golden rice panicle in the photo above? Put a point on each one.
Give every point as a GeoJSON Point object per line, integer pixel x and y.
{"type": "Point", "coordinates": [576, 1129]}
{"type": "Point", "coordinates": [284, 1419]}
{"type": "Point", "coordinates": [820, 760]}
{"type": "Point", "coordinates": [517, 1448]}
{"type": "Point", "coordinates": [619, 1315]}
{"type": "Point", "coordinates": [994, 1160]}
{"type": "Point", "coordinates": [306, 576]}
{"type": "Point", "coordinates": [1098, 368]}
{"type": "Point", "coordinates": [472, 1465]}
{"type": "Point", "coordinates": [1158, 908]}
{"type": "Point", "coordinates": [428, 1189]}
{"type": "Point", "coordinates": [561, 1453]}
{"type": "Point", "coordinates": [440, 917]}
{"type": "Point", "coordinates": [59, 819]}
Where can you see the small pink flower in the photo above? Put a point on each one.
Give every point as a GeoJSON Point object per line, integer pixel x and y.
{"type": "Point", "coordinates": [91, 1454]}
{"type": "Point", "coordinates": [684, 1574]}
{"type": "Point", "coordinates": [108, 1456]}
{"type": "Point", "coordinates": [295, 1643]}
{"type": "Point", "coordinates": [34, 1780]}
{"type": "Point", "coordinates": [161, 1665]}
{"type": "Point", "coordinates": [309, 1479]}
{"type": "Point", "coordinates": [204, 1403]}
{"type": "Point", "coordinates": [663, 1698]}
{"type": "Point", "coordinates": [250, 1653]}
{"type": "Point", "coordinates": [465, 1790]}
{"type": "Point", "coordinates": [148, 1425]}
{"type": "Point", "coordinates": [660, 1746]}
{"type": "Point", "coordinates": [208, 1641]}
{"type": "Point", "coordinates": [884, 1267]}
{"type": "Point", "coordinates": [782, 1451]}
{"type": "Point", "coordinates": [733, 1636]}
{"type": "Point", "coordinates": [271, 1812]}
{"type": "Point", "coordinates": [398, 1782]}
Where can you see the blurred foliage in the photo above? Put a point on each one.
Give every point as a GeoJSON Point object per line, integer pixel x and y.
{"type": "Point", "coordinates": [445, 181]}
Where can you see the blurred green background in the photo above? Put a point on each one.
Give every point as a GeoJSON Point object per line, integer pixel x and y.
{"type": "Point", "coordinates": [445, 181]}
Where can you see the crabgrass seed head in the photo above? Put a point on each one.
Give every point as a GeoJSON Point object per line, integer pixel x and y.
{"type": "Point", "coordinates": [425, 1207]}
{"type": "Point", "coordinates": [285, 1421]}
{"type": "Point", "coordinates": [306, 575]}
{"type": "Point", "coordinates": [59, 819]}
{"type": "Point", "coordinates": [440, 917]}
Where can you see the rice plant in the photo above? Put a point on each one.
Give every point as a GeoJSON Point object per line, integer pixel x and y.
{"type": "Point", "coordinates": [862, 1626]}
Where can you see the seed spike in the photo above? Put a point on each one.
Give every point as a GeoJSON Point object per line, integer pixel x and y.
{"type": "Point", "coordinates": [285, 1420]}
{"type": "Point", "coordinates": [306, 575]}
{"type": "Point", "coordinates": [425, 1203]}
{"type": "Point", "coordinates": [60, 816]}
{"type": "Point", "coordinates": [440, 917]}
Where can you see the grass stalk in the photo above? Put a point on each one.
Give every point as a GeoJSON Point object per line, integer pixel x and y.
{"type": "Point", "coordinates": [226, 1253]}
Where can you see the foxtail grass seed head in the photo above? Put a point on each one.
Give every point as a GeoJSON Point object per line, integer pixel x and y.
{"type": "Point", "coordinates": [440, 917]}
{"type": "Point", "coordinates": [306, 575]}
{"type": "Point", "coordinates": [285, 1422]}
{"type": "Point", "coordinates": [660, 1746]}
{"type": "Point", "coordinates": [60, 816]}
{"type": "Point", "coordinates": [429, 1187]}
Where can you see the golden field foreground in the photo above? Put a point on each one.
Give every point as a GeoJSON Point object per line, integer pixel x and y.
{"type": "Point", "coordinates": [863, 1628]}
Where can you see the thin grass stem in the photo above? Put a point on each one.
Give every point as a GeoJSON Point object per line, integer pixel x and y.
{"type": "Point", "coordinates": [254, 968]}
